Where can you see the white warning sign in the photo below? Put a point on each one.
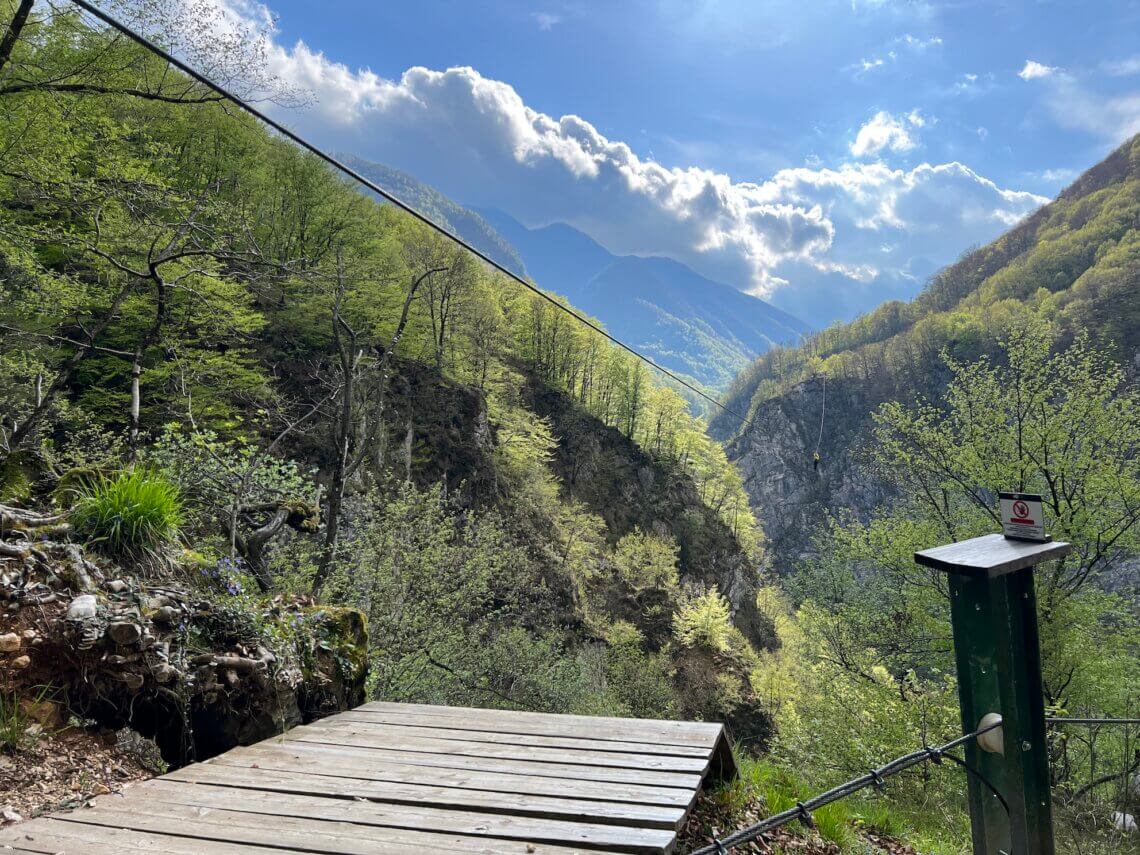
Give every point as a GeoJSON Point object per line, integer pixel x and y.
{"type": "Point", "coordinates": [1022, 516]}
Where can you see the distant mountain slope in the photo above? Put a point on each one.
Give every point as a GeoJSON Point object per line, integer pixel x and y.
{"type": "Point", "coordinates": [1077, 260]}
{"type": "Point", "coordinates": [705, 329]}
{"type": "Point", "coordinates": [433, 204]}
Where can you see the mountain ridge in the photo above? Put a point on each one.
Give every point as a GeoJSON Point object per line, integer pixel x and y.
{"type": "Point", "coordinates": [692, 325]}
{"type": "Point", "coordinates": [705, 329]}
{"type": "Point", "coordinates": [1076, 261]}
{"type": "Point", "coordinates": [441, 209]}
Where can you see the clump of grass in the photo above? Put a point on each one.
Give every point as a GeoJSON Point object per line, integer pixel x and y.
{"type": "Point", "coordinates": [13, 723]}
{"type": "Point", "coordinates": [880, 817]}
{"type": "Point", "coordinates": [130, 514]}
{"type": "Point", "coordinates": [833, 822]}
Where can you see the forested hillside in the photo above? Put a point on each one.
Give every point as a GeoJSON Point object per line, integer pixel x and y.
{"type": "Point", "coordinates": [1014, 370]}
{"type": "Point", "coordinates": [1076, 262]}
{"type": "Point", "coordinates": [439, 209]}
{"type": "Point", "coordinates": [268, 445]}
{"type": "Point", "coordinates": [228, 369]}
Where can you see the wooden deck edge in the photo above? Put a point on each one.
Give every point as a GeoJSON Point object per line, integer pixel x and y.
{"type": "Point", "coordinates": [722, 768]}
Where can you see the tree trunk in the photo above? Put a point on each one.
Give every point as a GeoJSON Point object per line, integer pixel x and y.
{"type": "Point", "coordinates": [8, 43]}
{"type": "Point", "coordinates": [136, 376]}
{"type": "Point", "coordinates": [348, 357]}
{"type": "Point", "coordinates": [25, 430]}
{"type": "Point", "coordinates": [348, 459]}
{"type": "Point", "coordinates": [408, 437]}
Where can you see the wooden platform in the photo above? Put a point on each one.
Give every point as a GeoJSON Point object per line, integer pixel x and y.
{"type": "Point", "coordinates": [407, 778]}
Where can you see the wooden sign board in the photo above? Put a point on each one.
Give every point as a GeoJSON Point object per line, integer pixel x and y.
{"type": "Point", "coordinates": [1022, 517]}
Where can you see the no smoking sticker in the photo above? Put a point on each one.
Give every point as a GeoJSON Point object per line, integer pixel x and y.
{"type": "Point", "coordinates": [1022, 516]}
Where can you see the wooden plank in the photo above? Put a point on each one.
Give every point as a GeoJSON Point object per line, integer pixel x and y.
{"type": "Point", "coordinates": [316, 836]}
{"type": "Point", "coordinates": [393, 779]}
{"type": "Point", "coordinates": [366, 721]}
{"type": "Point", "coordinates": [398, 822]}
{"type": "Point", "coordinates": [555, 724]}
{"type": "Point", "coordinates": [505, 766]}
{"type": "Point", "coordinates": [652, 816]}
{"type": "Point", "coordinates": [299, 757]}
{"type": "Point", "coordinates": [57, 836]}
{"type": "Point", "coordinates": [620, 760]}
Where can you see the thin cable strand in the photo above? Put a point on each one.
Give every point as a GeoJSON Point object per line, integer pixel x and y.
{"type": "Point", "coordinates": [142, 40]}
{"type": "Point", "coordinates": [894, 767]}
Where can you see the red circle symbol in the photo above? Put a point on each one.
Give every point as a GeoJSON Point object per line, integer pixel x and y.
{"type": "Point", "coordinates": [1020, 509]}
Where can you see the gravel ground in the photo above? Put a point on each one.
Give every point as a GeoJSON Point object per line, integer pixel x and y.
{"type": "Point", "coordinates": [67, 769]}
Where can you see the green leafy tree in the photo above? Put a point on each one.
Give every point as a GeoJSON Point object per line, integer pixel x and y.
{"type": "Point", "coordinates": [1064, 424]}
{"type": "Point", "coordinates": [1059, 421]}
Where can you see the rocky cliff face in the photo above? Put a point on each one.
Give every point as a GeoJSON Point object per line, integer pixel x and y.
{"type": "Point", "coordinates": [200, 671]}
{"type": "Point", "coordinates": [792, 497]}
{"type": "Point", "coordinates": [602, 468]}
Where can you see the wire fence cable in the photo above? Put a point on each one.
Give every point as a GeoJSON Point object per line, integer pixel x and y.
{"type": "Point", "coordinates": [874, 778]}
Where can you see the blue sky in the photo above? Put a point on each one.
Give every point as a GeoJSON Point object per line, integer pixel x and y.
{"type": "Point", "coordinates": [824, 154]}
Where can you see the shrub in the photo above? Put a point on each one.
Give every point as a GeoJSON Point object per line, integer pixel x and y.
{"type": "Point", "coordinates": [134, 512]}
{"type": "Point", "coordinates": [704, 622]}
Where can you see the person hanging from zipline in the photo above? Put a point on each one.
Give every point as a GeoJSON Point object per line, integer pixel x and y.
{"type": "Point", "coordinates": [822, 416]}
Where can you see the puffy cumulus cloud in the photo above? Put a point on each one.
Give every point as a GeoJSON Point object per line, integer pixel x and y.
{"type": "Point", "coordinates": [477, 140]}
{"type": "Point", "coordinates": [886, 218]}
{"type": "Point", "coordinates": [798, 232]}
{"type": "Point", "coordinates": [1032, 70]}
{"type": "Point", "coordinates": [885, 131]}
{"type": "Point", "coordinates": [893, 229]}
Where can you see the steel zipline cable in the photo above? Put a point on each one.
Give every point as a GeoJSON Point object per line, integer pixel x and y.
{"type": "Point", "coordinates": [332, 161]}
{"type": "Point", "coordinates": [874, 778]}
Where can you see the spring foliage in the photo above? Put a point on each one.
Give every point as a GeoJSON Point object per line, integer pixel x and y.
{"type": "Point", "coordinates": [180, 288]}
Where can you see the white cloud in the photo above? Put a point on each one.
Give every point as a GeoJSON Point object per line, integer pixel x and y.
{"type": "Point", "coordinates": [1112, 117]}
{"type": "Point", "coordinates": [915, 43]}
{"type": "Point", "coordinates": [479, 142]}
{"type": "Point", "coordinates": [546, 21]}
{"type": "Point", "coordinates": [1032, 70]}
{"type": "Point", "coordinates": [1123, 67]}
{"type": "Point", "coordinates": [1058, 176]}
{"type": "Point", "coordinates": [886, 132]}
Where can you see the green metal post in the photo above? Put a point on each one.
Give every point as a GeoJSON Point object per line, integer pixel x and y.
{"type": "Point", "coordinates": [993, 611]}
{"type": "Point", "coordinates": [979, 692]}
{"type": "Point", "coordinates": [1023, 714]}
